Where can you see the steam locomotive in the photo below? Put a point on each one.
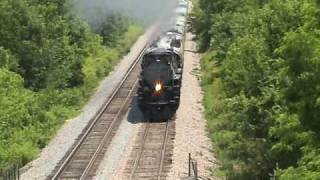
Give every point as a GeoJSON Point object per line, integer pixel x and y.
{"type": "Point", "coordinates": [161, 76]}
{"type": "Point", "coordinates": [162, 68]}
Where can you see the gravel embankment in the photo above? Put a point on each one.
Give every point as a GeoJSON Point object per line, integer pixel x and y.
{"type": "Point", "coordinates": [50, 156]}
{"type": "Point", "coordinates": [191, 127]}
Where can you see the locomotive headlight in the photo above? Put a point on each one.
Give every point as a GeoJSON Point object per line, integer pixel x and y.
{"type": "Point", "coordinates": [158, 87]}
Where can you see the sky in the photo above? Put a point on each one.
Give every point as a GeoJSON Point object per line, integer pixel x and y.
{"type": "Point", "coordinates": [145, 10]}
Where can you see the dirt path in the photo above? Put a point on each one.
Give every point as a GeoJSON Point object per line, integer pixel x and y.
{"type": "Point", "coordinates": [191, 127]}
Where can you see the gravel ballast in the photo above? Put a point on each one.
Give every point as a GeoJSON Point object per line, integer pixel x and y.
{"type": "Point", "coordinates": [191, 126]}
{"type": "Point", "coordinates": [116, 158]}
{"type": "Point", "coordinates": [54, 152]}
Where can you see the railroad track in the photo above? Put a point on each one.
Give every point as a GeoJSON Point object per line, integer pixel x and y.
{"type": "Point", "coordinates": [151, 157]}
{"type": "Point", "coordinates": [84, 159]}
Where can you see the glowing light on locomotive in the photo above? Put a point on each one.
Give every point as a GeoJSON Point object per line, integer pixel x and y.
{"type": "Point", "coordinates": [158, 87]}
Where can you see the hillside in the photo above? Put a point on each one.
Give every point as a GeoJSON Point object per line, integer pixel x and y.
{"type": "Point", "coordinates": [51, 60]}
{"type": "Point", "coordinates": [261, 81]}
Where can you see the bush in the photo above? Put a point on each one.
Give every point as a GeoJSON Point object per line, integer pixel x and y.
{"type": "Point", "coordinates": [260, 77]}
{"type": "Point", "coordinates": [50, 63]}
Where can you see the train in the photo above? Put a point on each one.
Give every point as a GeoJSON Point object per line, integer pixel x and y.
{"type": "Point", "coordinates": [160, 79]}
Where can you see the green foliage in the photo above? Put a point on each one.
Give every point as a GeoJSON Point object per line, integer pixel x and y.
{"type": "Point", "coordinates": [261, 82]}
{"type": "Point", "coordinates": [129, 37]}
{"type": "Point", "coordinates": [113, 28]}
{"type": "Point", "coordinates": [41, 43]}
{"type": "Point", "coordinates": [50, 63]}
{"type": "Point", "coordinates": [7, 60]}
{"type": "Point", "coordinates": [15, 108]}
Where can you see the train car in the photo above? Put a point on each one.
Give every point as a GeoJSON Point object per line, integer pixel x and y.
{"type": "Point", "coordinates": [160, 82]}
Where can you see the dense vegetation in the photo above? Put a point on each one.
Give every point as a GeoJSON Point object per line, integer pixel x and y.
{"type": "Point", "coordinates": [50, 62]}
{"type": "Point", "coordinates": [261, 76]}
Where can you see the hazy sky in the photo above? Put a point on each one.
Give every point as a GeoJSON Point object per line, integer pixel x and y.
{"type": "Point", "coordinates": [143, 9]}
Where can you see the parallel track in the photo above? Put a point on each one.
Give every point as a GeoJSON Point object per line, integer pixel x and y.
{"type": "Point", "coordinates": [84, 159]}
{"type": "Point", "coordinates": [152, 155]}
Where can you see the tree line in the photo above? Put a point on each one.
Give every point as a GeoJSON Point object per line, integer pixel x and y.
{"type": "Point", "coordinates": [50, 62]}
{"type": "Point", "coordinates": [261, 69]}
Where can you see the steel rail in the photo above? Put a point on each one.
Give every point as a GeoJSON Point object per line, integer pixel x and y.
{"type": "Point", "coordinates": [142, 148]}
{"type": "Point", "coordinates": [107, 135]}
{"type": "Point", "coordinates": [138, 157]}
{"type": "Point", "coordinates": [98, 116]}
{"type": "Point", "coordinates": [163, 150]}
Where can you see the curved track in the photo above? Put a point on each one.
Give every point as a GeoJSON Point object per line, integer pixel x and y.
{"type": "Point", "coordinates": [84, 159]}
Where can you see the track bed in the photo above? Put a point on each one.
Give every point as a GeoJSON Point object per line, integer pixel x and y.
{"type": "Point", "coordinates": [152, 153]}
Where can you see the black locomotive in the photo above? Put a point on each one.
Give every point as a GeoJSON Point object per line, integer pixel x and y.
{"type": "Point", "coordinates": [162, 67]}
{"type": "Point", "coordinates": [160, 82]}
